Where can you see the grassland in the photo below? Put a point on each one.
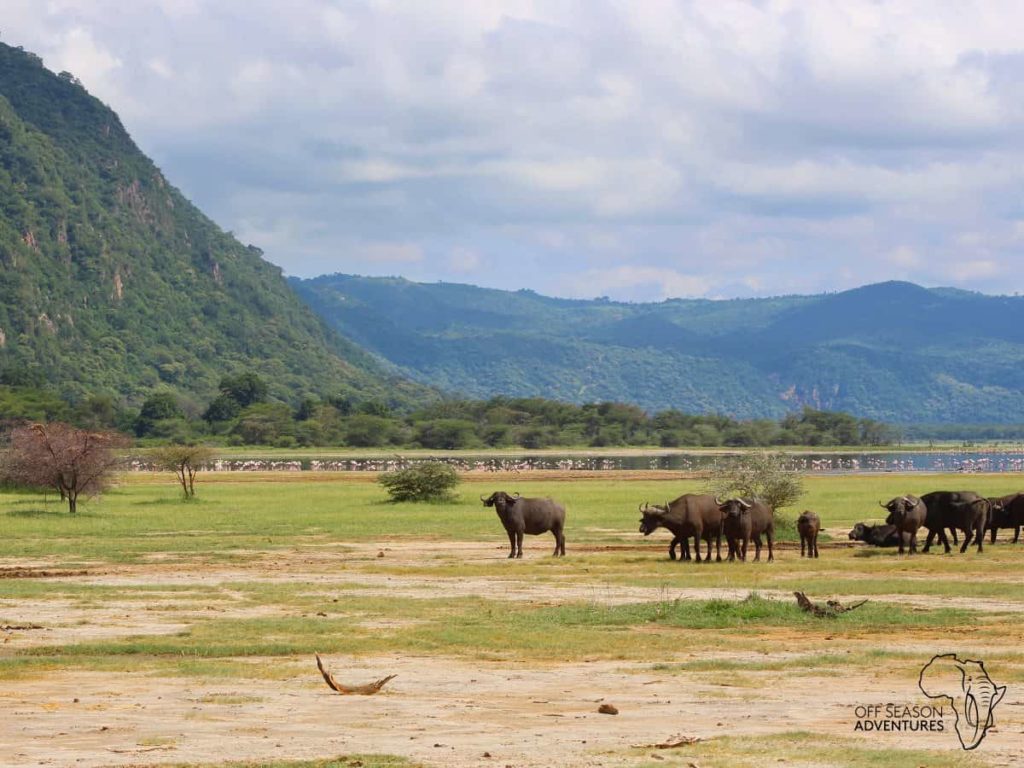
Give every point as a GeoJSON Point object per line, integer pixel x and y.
{"type": "Point", "coordinates": [220, 603]}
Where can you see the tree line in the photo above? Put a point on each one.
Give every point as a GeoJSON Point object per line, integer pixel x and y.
{"type": "Point", "coordinates": [244, 413]}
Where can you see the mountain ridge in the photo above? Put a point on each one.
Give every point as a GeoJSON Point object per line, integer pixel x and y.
{"type": "Point", "coordinates": [112, 282]}
{"type": "Point", "coordinates": [893, 351]}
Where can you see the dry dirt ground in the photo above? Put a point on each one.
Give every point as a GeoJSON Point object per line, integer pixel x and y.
{"type": "Point", "coordinates": [437, 711]}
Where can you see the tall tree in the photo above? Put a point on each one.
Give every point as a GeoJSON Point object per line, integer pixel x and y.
{"type": "Point", "coordinates": [57, 455]}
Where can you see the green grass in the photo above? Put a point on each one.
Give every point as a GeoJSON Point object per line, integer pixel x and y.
{"type": "Point", "coordinates": [289, 567]}
{"type": "Point", "coordinates": [231, 514]}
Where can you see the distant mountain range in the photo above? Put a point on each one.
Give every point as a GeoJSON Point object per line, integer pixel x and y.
{"type": "Point", "coordinates": [111, 282]}
{"type": "Point", "coordinates": [894, 351]}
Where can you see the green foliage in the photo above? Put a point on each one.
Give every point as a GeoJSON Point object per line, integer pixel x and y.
{"type": "Point", "coordinates": [426, 481]}
{"type": "Point", "coordinates": [185, 461]}
{"type": "Point", "coordinates": [891, 352]}
{"type": "Point", "coordinates": [111, 281]}
{"type": "Point", "coordinates": [159, 406]}
{"type": "Point", "coordinates": [761, 475]}
{"type": "Point", "coordinates": [245, 388]}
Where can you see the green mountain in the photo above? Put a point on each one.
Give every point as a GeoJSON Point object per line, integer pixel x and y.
{"type": "Point", "coordinates": [894, 352]}
{"type": "Point", "coordinates": [112, 282]}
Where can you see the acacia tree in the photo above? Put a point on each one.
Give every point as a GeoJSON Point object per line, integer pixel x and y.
{"type": "Point", "coordinates": [184, 461]}
{"type": "Point", "coordinates": [57, 455]}
{"type": "Point", "coordinates": [763, 475]}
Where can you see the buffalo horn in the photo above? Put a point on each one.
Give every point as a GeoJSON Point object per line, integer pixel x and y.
{"type": "Point", "coordinates": [883, 506]}
{"type": "Point", "coordinates": [744, 504]}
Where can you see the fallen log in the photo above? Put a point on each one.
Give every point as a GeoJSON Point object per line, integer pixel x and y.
{"type": "Point", "coordinates": [673, 743]}
{"type": "Point", "coordinates": [351, 690]}
{"type": "Point", "coordinates": [831, 609]}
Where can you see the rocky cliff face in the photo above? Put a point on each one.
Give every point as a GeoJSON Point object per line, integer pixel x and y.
{"type": "Point", "coordinates": [111, 281]}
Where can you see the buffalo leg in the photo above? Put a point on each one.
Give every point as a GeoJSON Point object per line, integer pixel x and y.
{"type": "Point", "coordinates": [815, 542]}
{"type": "Point", "coordinates": [519, 543]}
{"type": "Point", "coordinates": [980, 536]}
{"type": "Point", "coordinates": [968, 533]}
{"type": "Point", "coordinates": [901, 542]}
{"type": "Point", "coordinates": [913, 542]}
{"type": "Point", "coordinates": [803, 540]}
{"type": "Point", "coordinates": [953, 532]}
{"type": "Point", "coordinates": [945, 541]}
{"type": "Point", "coordinates": [743, 552]}
{"type": "Point", "coordinates": [757, 548]}
{"type": "Point", "coordinates": [1016, 533]}
{"type": "Point", "coordinates": [993, 532]}
{"type": "Point", "coordinates": [696, 547]}
{"type": "Point", "coordinates": [672, 548]}
{"type": "Point", "coordinates": [718, 546]}
{"type": "Point", "coordinates": [512, 543]}
{"type": "Point", "coordinates": [928, 540]}
{"type": "Point", "coordinates": [771, 540]}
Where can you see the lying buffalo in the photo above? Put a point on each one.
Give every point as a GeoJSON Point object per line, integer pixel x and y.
{"type": "Point", "coordinates": [747, 520]}
{"type": "Point", "coordinates": [692, 515]}
{"type": "Point", "coordinates": [876, 535]}
{"type": "Point", "coordinates": [531, 516]}
{"type": "Point", "coordinates": [941, 513]}
{"type": "Point", "coordinates": [907, 514]}
{"type": "Point", "coordinates": [1007, 512]}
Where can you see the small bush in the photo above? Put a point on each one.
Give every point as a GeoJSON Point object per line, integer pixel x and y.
{"type": "Point", "coordinates": [426, 481]}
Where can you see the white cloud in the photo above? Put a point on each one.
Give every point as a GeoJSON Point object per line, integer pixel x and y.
{"type": "Point", "coordinates": [464, 260]}
{"type": "Point", "coordinates": [690, 146]}
{"type": "Point", "coordinates": [628, 282]}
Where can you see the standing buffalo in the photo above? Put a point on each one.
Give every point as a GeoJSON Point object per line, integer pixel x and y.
{"type": "Point", "coordinates": [693, 516]}
{"type": "Point", "coordinates": [531, 516]}
{"type": "Point", "coordinates": [762, 520]}
{"type": "Point", "coordinates": [971, 517]}
{"type": "Point", "coordinates": [1007, 512]}
{"type": "Point", "coordinates": [940, 511]}
{"type": "Point", "coordinates": [876, 535]}
{"type": "Point", "coordinates": [738, 530]}
{"type": "Point", "coordinates": [907, 514]}
{"type": "Point", "coordinates": [808, 525]}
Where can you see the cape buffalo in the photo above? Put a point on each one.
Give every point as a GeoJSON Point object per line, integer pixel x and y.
{"type": "Point", "coordinates": [762, 520]}
{"type": "Point", "coordinates": [692, 515]}
{"type": "Point", "coordinates": [907, 514]}
{"type": "Point", "coordinates": [808, 525]}
{"type": "Point", "coordinates": [531, 516]}
{"type": "Point", "coordinates": [876, 535]}
{"type": "Point", "coordinates": [1007, 512]}
{"type": "Point", "coordinates": [738, 529]}
{"type": "Point", "coordinates": [939, 504]}
{"type": "Point", "coordinates": [971, 517]}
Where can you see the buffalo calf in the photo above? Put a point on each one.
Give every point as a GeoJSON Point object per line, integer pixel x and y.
{"type": "Point", "coordinates": [808, 525]}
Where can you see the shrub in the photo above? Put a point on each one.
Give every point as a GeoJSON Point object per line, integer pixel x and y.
{"type": "Point", "coordinates": [763, 475]}
{"type": "Point", "coordinates": [426, 481]}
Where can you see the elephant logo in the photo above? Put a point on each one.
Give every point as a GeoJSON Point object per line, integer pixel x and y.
{"type": "Point", "coordinates": [969, 689]}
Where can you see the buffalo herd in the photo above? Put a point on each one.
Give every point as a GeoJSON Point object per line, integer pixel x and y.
{"type": "Point", "coordinates": [705, 518]}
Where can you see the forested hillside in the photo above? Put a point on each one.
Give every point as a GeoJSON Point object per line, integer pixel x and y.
{"type": "Point", "coordinates": [112, 283]}
{"type": "Point", "coordinates": [894, 352]}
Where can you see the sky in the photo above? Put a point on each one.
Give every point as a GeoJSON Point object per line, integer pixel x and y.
{"type": "Point", "coordinates": [635, 150]}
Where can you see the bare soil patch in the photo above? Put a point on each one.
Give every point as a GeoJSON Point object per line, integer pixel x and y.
{"type": "Point", "coordinates": [439, 711]}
